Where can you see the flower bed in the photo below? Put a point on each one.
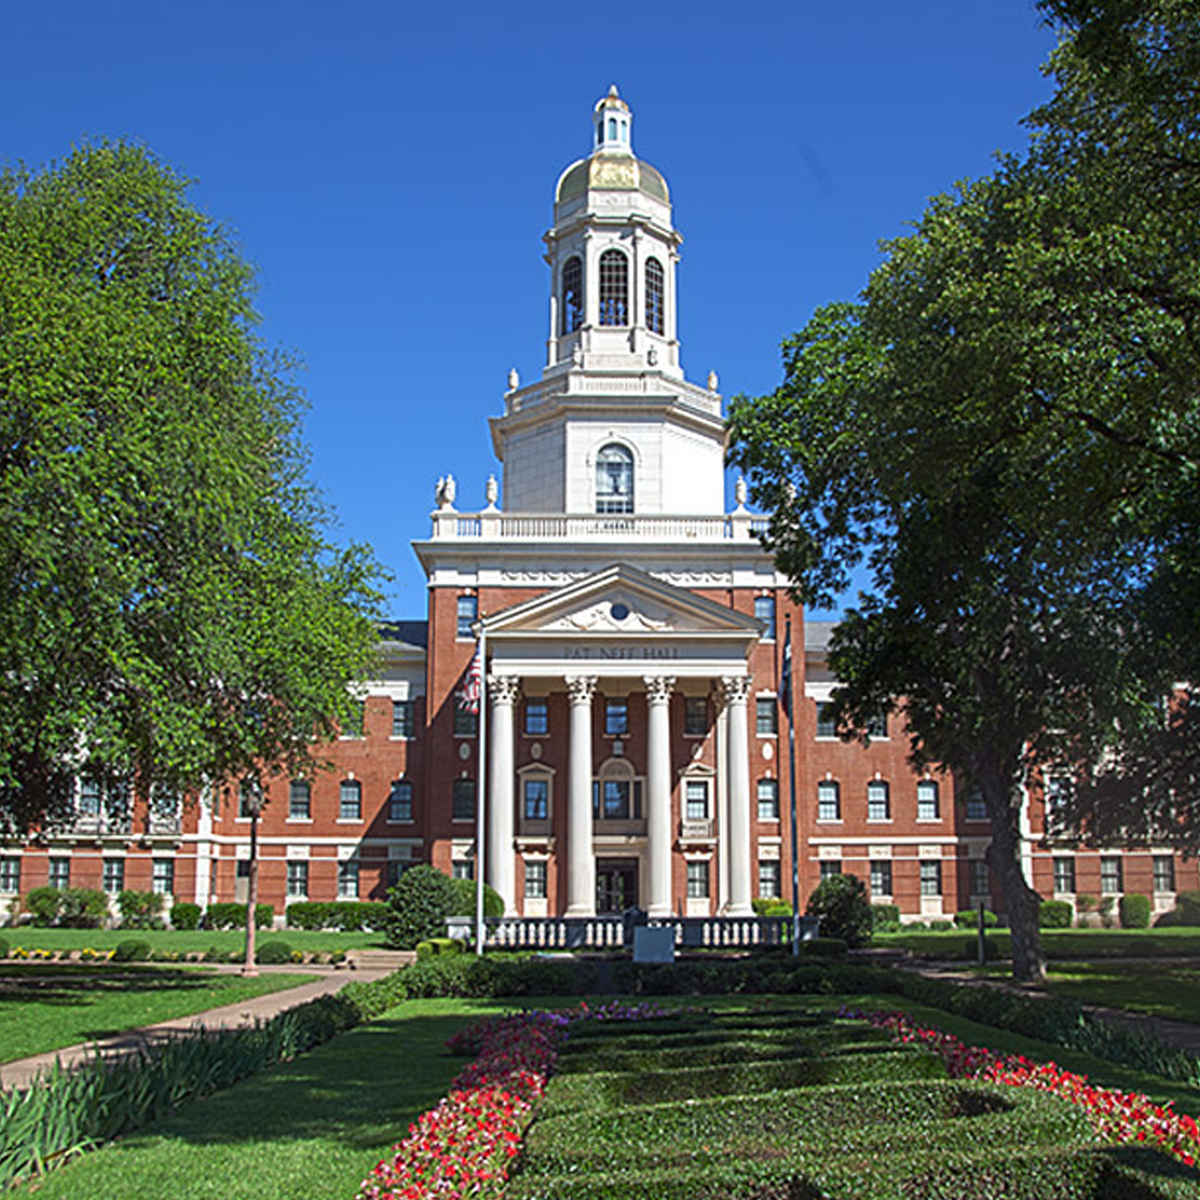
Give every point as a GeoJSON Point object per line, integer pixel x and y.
{"type": "Point", "coordinates": [463, 1147]}
{"type": "Point", "coordinates": [1119, 1116]}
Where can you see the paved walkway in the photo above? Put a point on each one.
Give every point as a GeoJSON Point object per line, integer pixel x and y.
{"type": "Point", "coordinates": [231, 1016]}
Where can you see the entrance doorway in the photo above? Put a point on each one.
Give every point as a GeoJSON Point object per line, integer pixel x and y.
{"type": "Point", "coordinates": [616, 885]}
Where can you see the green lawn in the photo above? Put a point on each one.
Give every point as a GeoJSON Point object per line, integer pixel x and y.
{"type": "Point", "coordinates": [1057, 943]}
{"type": "Point", "coordinates": [48, 1007]}
{"type": "Point", "coordinates": [310, 1129]}
{"type": "Point", "coordinates": [185, 940]}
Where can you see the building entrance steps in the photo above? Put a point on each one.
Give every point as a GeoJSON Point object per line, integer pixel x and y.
{"type": "Point", "coordinates": [21, 1072]}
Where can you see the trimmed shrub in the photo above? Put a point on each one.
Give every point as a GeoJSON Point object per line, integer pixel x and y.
{"type": "Point", "coordinates": [440, 945]}
{"type": "Point", "coordinates": [185, 915]}
{"type": "Point", "coordinates": [885, 918]}
{"type": "Point", "coordinates": [771, 907]}
{"type": "Point", "coordinates": [347, 915]}
{"type": "Point", "coordinates": [418, 907]}
{"type": "Point", "coordinates": [464, 900]}
{"type": "Point", "coordinates": [841, 903]}
{"type": "Point", "coordinates": [131, 951]}
{"type": "Point", "coordinates": [1134, 911]}
{"type": "Point", "coordinates": [1055, 914]}
{"type": "Point", "coordinates": [274, 952]}
{"type": "Point", "coordinates": [230, 915]}
{"type": "Point", "coordinates": [1185, 912]}
{"type": "Point", "coordinates": [309, 914]}
{"type": "Point", "coordinates": [968, 918]}
{"type": "Point", "coordinates": [82, 908]}
{"type": "Point", "coordinates": [42, 904]}
{"type": "Point", "coordinates": [141, 910]}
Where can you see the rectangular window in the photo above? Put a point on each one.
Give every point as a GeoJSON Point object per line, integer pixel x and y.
{"type": "Point", "coordinates": [10, 874]}
{"type": "Point", "coordinates": [829, 801]}
{"type": "Point", "coordinates": [299, 800]}
{"type": "Point", "coordinates": [764, 612]}
{"type": "Point", "coordinates": [696, 794]}
{"type": "Point", "coordinates": [464, 800]}
{"type": "Point", "coordinates": [466, 722]}
{"type": "Point", "coordinates": [981, 879]}
{"type": "Point", "coordinates": [60, 873]}
{"type": "Point", "coordinates": [697, 880]}
{"type": "Point", "coordinates": [400, 801]}
{"type": "Point", "coordinates": [535, 881]}
{"type": "Point", "coordinates": [114, 875]}
{"type": "Point", "coordinates": [163, 879]}
{"type": "Point", "coordinates": [616, 718]}
{"type": "Point", "coordinates": [90, 798]}
{"type": "Point", "coordinates": [826, 725]}
{"type": "Point", "coordinates": [403, 718]}
{"type": "Point", "coordinates": [1064, 875]}
{"type": "Point", "coordinates": [537, 718]}
{"type": "Point", "coordinates": [348, 880]}
{"type": "Point", "coordinates": [931, 879]}
{"type": "Point", "coordinates": [695, 716]}
{"type": "Point", "coordinates": [879, 804]}
{"type": "Point", "coordinates": [615, 796]}
{"type": "Point", "coordinates": [350, 800]}
{"type": "Point", "coordinates": [462, 868]}
{"type": "Point", "coordinates": [830, 867]}
{"type": "Point", "coordinates": [1164, 873]}
{"type": "Point", "coordinates": [768, 879]}
{"type": "Point", "coordinates": [927, 801]}
{"type": "Point", "coordinates": [881, 877]}
{"type": "Point", "coordinates": [766, 716]}
{"type": "Point", "coordinates": [976, 807]}
{"type": "Point", "coordinates": [768, 800]}
{"type": "Point", "coordinates": [1058, 790]}
{"type": "Point", "coordinates": [468, 610]}
{"type": "Point", "coordinates": [297, 880]}
{"type": "Point", "coordinates": [249, 799]}
{"type": "Point", "coordinates": [536, 799]}
{"type": "Point", "coordinates": [1110, 876]}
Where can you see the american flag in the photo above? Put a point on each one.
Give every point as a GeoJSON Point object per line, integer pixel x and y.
{"type": "Point", "coordinates": [785, 680]}
{"type": "Point", "coordinates": [472, 688]}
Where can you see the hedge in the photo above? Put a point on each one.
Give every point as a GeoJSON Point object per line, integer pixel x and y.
{"type": "Point", "coordinates": [1134, 911]}
{"type": "Point", "coordinates": [186, 915]}
{"type": "Point", "coordinates": [1055, 914]}
{"type": "Point", "coordinates": [230, 915]}
{"type": "Point", "coordinates": [346, 915]}
{"type": "Point", "coordinates": [968, 918]}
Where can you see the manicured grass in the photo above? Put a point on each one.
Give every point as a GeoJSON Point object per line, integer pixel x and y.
{"type": "Point", "coordinates": [1066, 944]}
{"type": "Point", "coordinates": [185, 941]}
{"type": "Point", "coordinates": [49, 1007]}
{"type": "Point", "coordinates": [1170, 990]}
{"type": "Point", "coordinates": [311, 1129]}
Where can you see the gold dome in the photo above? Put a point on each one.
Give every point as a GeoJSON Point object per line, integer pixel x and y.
{"type": "Point", "coordinates": [611, 172]}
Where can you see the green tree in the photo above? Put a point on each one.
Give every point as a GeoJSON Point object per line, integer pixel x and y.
{"type": "Point", "coordinates": [1005, 431]}
{"type": "Point", "coordinates": [841, 903]}
{"type": "Point", "coordinates": [172, 608]}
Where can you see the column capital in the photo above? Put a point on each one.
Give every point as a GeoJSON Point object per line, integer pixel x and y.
{"type": "Point", "coordinates": [658, 688]}
{"type": "Point", "coordinates": [581, 688]}
{"type": "Point", "coordinates": [504, 689]}
{"type": "Point", "coordinates": [734, 689]}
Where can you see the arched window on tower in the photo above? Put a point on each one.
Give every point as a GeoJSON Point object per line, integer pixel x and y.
{"type": "Point", "coordinates": [614, 288]}
{"type": "Point", "coordinates": [614, 480]}
{"type": "Point", "coordinates": [654, 295]}
{"type": "Point", "coordinates": [572, 295]}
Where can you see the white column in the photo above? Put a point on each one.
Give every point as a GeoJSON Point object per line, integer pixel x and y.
{"type": "Point", "coordinates": [658, 798]}
{"type": "Point", "coordinates": [737, 836]}
{"type": "Point", "coordinates": [501, 872]}
{"type": "Point", "coordinates": [722, 801]}
{"type": "Point", "coordinates": [581, 865]}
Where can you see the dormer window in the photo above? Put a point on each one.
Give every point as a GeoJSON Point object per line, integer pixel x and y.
{"type": "Point", "coordinates": [614, 288]}
{"type": "Point", "coordinates": [654, 295]}
{"type": "Point", "coordinates": [572, 295]}
{"type": "Point", "coordinates": [614, 480]}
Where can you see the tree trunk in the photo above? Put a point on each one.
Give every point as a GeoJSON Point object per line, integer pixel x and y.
{"type": "Point", "coordinates": [1004, 856]}
{"type": "Point", "coordinates": [250, 966]}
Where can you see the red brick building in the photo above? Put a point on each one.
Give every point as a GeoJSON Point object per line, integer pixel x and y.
{"type": "Point", "coordinates": [630, 745]}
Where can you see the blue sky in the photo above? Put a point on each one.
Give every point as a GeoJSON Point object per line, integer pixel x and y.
{"type": "Point", "coordinates": [389, 170]}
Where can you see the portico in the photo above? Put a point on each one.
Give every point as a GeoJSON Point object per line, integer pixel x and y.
{"type": "Point", "coordinates": [628, 651]}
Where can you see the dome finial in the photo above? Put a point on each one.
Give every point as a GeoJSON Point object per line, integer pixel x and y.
{"type": "Point", "coordinates": [613, 122]}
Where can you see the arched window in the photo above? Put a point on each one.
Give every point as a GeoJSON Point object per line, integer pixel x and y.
{"type": "Point", "coordinates": [572, 295]}
{"type": "Point", "coordinates": [612, 129]}
{"type": "Point", "coordinates": [614, 480]}
{"type": "Point", "coordinates": [654, 295]}
{"type": "Point", "coordinates": [614, 288]}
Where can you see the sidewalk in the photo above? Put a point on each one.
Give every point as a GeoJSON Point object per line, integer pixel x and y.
{"type": "Point", "coordinates": [231, 1016]}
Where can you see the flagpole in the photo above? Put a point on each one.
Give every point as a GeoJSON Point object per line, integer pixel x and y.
{"type": "Point", "coordinates": [787, 708]}
{"type": "Point", "coordinates": [480, 789]}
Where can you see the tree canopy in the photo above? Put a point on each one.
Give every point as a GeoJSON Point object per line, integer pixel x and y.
{"type": "Point", "coordinates": [172, 609]}
{"type": "Point", "coordinates": [1003, 429]}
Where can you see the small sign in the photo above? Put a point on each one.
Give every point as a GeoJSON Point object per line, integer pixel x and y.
{"type": "Point", "coordinates": [654, 944]}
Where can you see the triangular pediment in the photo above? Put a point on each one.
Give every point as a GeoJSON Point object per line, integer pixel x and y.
{"type": "Point", "coordinates": [621, 602]}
